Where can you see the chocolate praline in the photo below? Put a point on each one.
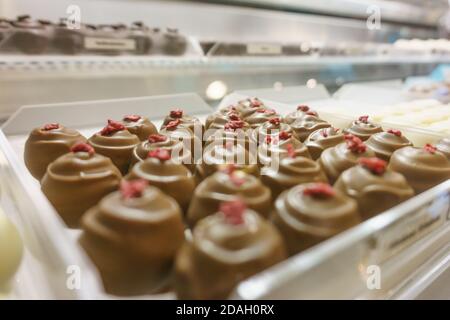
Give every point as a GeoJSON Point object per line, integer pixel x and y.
{"type": "Point", "coordinates": [171, 177]}
{"type": "Point", "coordinates": [77, 180]}
{"type": "Point", "coordinates": [345, 155]}
{"type": "Point", "coordinates": [45, 144]}
{"type": "Point", "coordinates": [116, 143]}
{"type": "Point", "coordinates": [261, 116]}
{"type": "Point", "coordinates": [224, 251]}
{"type": "Point", "coordinates": [307, 124]}
{"type": "Point", "coordinates": [222, 116]}
{"type": "Point", "coordinates": [271, 128]}
{"type": "Point", "coordinates": [375, 189]}
{"type": "Point", "coordinates": [310, 213]}
{"type": "Point", "coordinates": [184, 121]}
{"type": "Point", "coordinates": [322, 139]}
{"type": "Point", "coordinates": [228, 186]}
{"type": "Point", "coordinates": [29, 36]}
{"type": "Point", "coordinates": [132, 237]}
{"type": "Point", "coordinates": [249, 106]}
{"type": "Point", "coordinates": [443, 146]}
{"type": "Point", "coordinates": [302, 110]}
{"type": "Point", "coordinates": [140, 126]}
{"type": "Point", "coordinates": [363, 128]}
{"type": "Point", "coordinates": [423, 168]}
{"type": "Point", "coordinates": [290, 172]}
{"type": "Point", "coordinates": [385, 143]}
{"type": "Point", "coordinates": [173, 43]}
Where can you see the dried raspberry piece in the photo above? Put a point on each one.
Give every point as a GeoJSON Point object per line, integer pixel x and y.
{"type": "Point", "coordinates": [290, 150]}
{"type": "Point", "coordinates": [161, 154]}
{"type": "Point", "coordinates": [312, 113]}
{"type": "Point", "coordinates": [112, 127]}
{"type": "Point", "coordinates": [355, 144]}
{"type": "Point", "coordinates": [275, 121]}
{"type": "Point", "coordinates": [375, 165]}
{"type": "Point", "coordinates": [268, 139]}
{"type": "Point", "coordinates": [284, 135]}
{"type": "Point", "coordinates": [234, 125]}
{"type": "Point", "coordinates": [132, 117]}
{"type": "Point", "coordinates": [256, 103]}
{"type": "Point", "coordinates": [236, 179]}
{"type": "Point", "coordinates": [133, 189]}
{"type": "Point", "coordinates": [176, 113]}
{"type": "Point", "coordinates": [364, 119]}
{"type": "Point", "coordinates": [173, 125]}
{"type": "Point", "coordinates": [303, 108]}
{"type": "Point", "coordinates": [228, 169]}
{"type": "Point", "coordinates": [430, 148]}
{"type": "Point", "coordinates": [154, 138]}
{"type": "Point", "coordinates": [82, 147]}
{"type": "Point", "coordinates": [234, 116]}
{"type": "Point", "coordinates": [319, 190]}
{"type": "Point", "coordinates": [50, 126]}
{"type": "Point", "coordinates": [396, 132]}
{"type": "Point", "coordinates": [233, 211]}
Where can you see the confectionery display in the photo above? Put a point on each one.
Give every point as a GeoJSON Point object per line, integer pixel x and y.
{"type": "Point", "coordinates": [322, 139]}
{"type": "Point", "coordinates": [345, 155]}
{"type": "Point", "coordinates": [30, 36]}
{"type": "Point", "coordinates": [444, 146]}
{"type": "Point", "coordinates": [77, 180]}
{"type": "Point", "coordinates": [10, 250]}
{"type": "Point", "coordinates": [228, 246]}
{"type": "Point", "coordinates": [163, 172]}
{"type": "Point", "coordinates": [220, 153]}
{"type": "Point", "coordinates": [292, 170]}
{"type": "Point", "coordinates": [115, 142]}
{"type": "Point", "coordinates": [310, 213]}
{"type": "Point", "coordinates": [132, 236]}
{"type": "Point", "coordinates": [276, 147]}
{"type": "Point", "coordinates": [363, 128]}
{"type": "Point", "coordinates": [386, 142]}
{"type": "Point", "coordinates": [373, 186]}
{"type": "Point", "coordinates": [228, 185]}
{"type": "Point", "coordinates": [423, 168]}
{"type": "Point", "coordinates": [139, 126]}
{"type": "Point", "coordinates": [45, 144]}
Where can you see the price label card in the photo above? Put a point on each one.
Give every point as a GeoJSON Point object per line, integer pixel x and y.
{"type": "Point", "coordinates": [264, 49]}
{"type": "Point", "coordinates": [109, 44]}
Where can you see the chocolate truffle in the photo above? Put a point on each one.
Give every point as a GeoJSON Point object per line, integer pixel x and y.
{"type": "Point", "coordinates": [271, 128]}
{"type": "Point", "coordinates": [385, 143]}
{"type": "Point", "coordinates": [249, 106]}
{"type": "Point", "coordinates": [261, 116]}
{"type": "Point", "coordinates": [233, 130]}
{"type": "Point", "coordinates": [173, 43]}
{"type": "Point", "coordinates": [140, 126]}
{"type": "Point", "coordinates": [310, 213]}
{"type": "Point", "coordinates": [423, 168]}
{"type": "Point", "coordinates": [290, 172]}
{"type": "Point", "coordinates": [336, 160]}
{"type": "Point", "coordinates": [159, 141]}
{"type": "Point", "coordinates": [231, 121]}
{"type": "Point", "coordinates": [45, 144]}
{"type": "Point", "coordinates": [301, 111]}
{"type": "Point", "coordinates": [178, 117]}
{"type": "Point", "coordinates": [279, 147]}
{"type": "Point", "coordinates": [443, 146]}
{"type": "Point", "coordinates": [322, 139]}
{"type": "Point", "coordinates": [226, 152]}
{"type": "Point", "coordinates": [222, 116]}
{"type": "Point", "coordinates": [228, 185]}
{"type": "Point", "coordinates": [226, 248]}
{"type": "Point", "coordinates": [77, 180]}
{"type": "Point", "coordinates": [29, 36]}
{"type": "Point", "coordinates": [373, 187]}
{"type": "Point", "coordinates": [363, 128]}
{"type": "Point", "coordinates": [11, 249]}
{"type": "Point", "coordinates": [172, 177]}
{"type": "Point", "coordinates": [307, 124]}
{"type": "Point", "coordinates": [132, 236]}
{"type": "Point", "coordinates": [116, 143]}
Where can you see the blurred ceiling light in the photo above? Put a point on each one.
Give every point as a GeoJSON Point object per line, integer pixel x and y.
{"type": "Point", "coordinates": [278, 86]}
{"type": "Point", "coordinates": [311, 83]}
{"type": "Point", "coordinates": [216, 90]}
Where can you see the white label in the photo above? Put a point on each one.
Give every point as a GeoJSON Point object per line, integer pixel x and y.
{"type": "Point", "coordinates": [109, 44]}
{"type": "Point", "coordinates": [263, 49]}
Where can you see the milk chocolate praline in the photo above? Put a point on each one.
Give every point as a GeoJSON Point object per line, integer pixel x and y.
{"type": "Point", "coordinates": [77, 180]}
{"type": "Point", "coordinates": [249, 106]}
{"type": "Point", "coordinates": [423, 168]}
{"type": "Point", "coordinates": [226, 248]}
{"type": "Point", "coordinates": [363, 128]}
{"type": "Point", "coordinates": [46, 144]}
{"type": "Point", "coordinates": [336, 160]}
{"type": "Point", "coordinates": [116, 143]}
{"type": "Point", "coordinates": [29, 36]}
{"type": "Point", "coordinates": [228, 185]}
{"type": "Point", "coordinates": [290, 172]}
{"type": "Point", "coordinates": [132, 236]}
{"type": "Point", "coordinates": [302, 110]}
{"type": "Point", "coordinates": [271, 128]}
{"type": "Point", "coordinates": [322, 139]}
{"type": "Point", "coordinates": [443, 146]}
{"type": "Point", "coordinates": [226, 152]}
{"type": "Point", "coordinates": [172, 177]}
{"type": "Point", "coordinates": [385, 143]}
{"type": "Point", "coordinates": [261, 116]}
{"type": "Point", "coordinates": [140, 126]}
{"type": "Point", "coordinates": [373, 187]}
{"type": "Point", "coordinates": [184, 121]}
{"type": "Point", "coordinates": [307, 124]}
{"type": "Point", "coordinates": [310, 213]}
{"type": "Point", "coordinates": [222, 116]}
